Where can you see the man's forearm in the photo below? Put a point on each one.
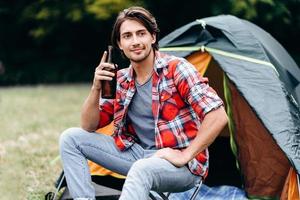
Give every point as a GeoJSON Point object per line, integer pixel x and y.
{"type": "Point", "coordinates": [90, 111]}
{"type": "Point", "coordinates": [210, 128]}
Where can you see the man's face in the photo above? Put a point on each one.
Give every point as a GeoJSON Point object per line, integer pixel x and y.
{"type": "Point", "coordinates": [135, 41]}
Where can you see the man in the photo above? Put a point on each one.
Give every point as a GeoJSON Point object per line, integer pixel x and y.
{"type": "Point", "coordinates": [165, 116]}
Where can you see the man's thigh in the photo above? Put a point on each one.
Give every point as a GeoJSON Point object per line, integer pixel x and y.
{"type": "Point", "coordinates": [102, 150]}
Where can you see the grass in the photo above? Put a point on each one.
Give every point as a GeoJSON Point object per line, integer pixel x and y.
{"type": "Point", "coordinates": [31, 120]}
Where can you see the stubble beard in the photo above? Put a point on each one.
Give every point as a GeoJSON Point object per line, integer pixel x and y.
{"type": "Point", "coordinates": [141, 59]}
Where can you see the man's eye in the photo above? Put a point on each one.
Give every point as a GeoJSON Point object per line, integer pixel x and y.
{"type": "Point", "coordinates": [141, 34]}
{"type": "Point", "coordinates": [126, 36]}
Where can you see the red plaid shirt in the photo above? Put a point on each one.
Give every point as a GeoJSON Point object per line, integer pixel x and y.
{"type": "Point", "coordinates": [180, 100]}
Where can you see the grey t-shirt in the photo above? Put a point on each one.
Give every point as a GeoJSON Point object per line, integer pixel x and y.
{"type": "Point", "coordinates": [140, 114]}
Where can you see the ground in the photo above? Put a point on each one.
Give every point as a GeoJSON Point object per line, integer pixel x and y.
{"type": "Point", "coordinates": [31, 120]}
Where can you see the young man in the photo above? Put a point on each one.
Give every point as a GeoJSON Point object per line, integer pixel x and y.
{"type": "Point", "coordinates": [165, 116]}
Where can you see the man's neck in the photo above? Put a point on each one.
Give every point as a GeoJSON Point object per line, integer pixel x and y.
{"type": "Point", "coordinates": [144, 69]}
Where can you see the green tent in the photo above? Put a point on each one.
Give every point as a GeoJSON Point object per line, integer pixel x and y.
{"type": "Point", "coordinates": [259, 82]}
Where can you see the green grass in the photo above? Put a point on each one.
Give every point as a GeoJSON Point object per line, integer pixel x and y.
{"type": "Point", "coordinates": [31, 120]}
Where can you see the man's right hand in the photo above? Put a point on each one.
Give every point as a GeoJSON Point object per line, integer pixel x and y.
{"type": "Point", "coordinates": [102, 73]}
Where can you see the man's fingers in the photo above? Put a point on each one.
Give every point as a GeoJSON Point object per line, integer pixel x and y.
{"type": "Point", "coordinates": [104, 72]}
{"type": "Point", "coordinates": [101, 78]}
{"type": "Point", "coordinates": [105, 66]}
{"type": "Point", "coordinates": [103, 59]}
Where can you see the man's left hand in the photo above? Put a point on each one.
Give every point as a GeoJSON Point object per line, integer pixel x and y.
{"type": "Point", "coordinates": [174, 156]}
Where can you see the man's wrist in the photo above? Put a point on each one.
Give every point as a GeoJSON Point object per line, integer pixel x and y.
{"type": "Point", "coordinates": [187, 156]}
{"type": "Point", "coordinates": [96, 88]}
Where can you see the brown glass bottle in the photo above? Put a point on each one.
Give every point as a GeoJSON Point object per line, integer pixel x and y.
{"type": "Point", "coordinates": [109, 87]}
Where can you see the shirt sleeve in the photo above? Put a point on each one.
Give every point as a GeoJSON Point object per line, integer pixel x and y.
{"type": "Point", "coordinates": [194, 89]}
{"type": "Point", "coordinates": [106, 112]}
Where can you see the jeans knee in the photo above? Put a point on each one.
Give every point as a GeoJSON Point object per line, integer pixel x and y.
{"type": "Point", "coordinates": [141, 175]}
{"type": "Point", "coordinates": [140, 168]}
{"type": "Point", "coordinates": [66, 139]}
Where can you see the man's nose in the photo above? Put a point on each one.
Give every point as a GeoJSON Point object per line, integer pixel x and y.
{"type": "Point", "coordinates": [135, 40]}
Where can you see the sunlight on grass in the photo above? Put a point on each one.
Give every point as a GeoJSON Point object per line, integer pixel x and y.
{"type": "Point", "coordinates": [31, 120]}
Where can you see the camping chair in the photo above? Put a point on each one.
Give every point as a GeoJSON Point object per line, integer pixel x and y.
{"type": "Point", "coordinates": [102, 190]}
{"type": "Point", "coordinates": [61, 182]}
{"type": "Point", "coordinates": [166, 196]}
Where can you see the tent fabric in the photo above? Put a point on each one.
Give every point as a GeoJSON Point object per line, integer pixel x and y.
{"type": "Point", "coordinates": [262, 162]}
{"type": "Point", "coordinates": [200, 61]}
{"type": "Point", "coordinates": [267, 98]}
{"type": "Point", "coordinates": [231, 128]}
{"type": "Point", "coordinates": [262, 85]}
{"type": "Point", "coordinates": [279, 57]}
{"type": "Point", "coordinates": [291, 187]}
{"type": "Point", "coordinates": [266, 48]}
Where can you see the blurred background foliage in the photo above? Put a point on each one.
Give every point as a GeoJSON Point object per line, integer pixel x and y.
{"type": "Point", "coordinates": [54, 41]}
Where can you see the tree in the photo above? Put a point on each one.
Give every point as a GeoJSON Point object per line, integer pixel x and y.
{"type": "Point", "coordinates": [54, 41]}
{"type": "Point", "coordinates": [45, 41]}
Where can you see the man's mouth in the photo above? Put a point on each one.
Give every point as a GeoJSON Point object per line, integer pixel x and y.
{"type": "Point", "coordinates": [137, 50]}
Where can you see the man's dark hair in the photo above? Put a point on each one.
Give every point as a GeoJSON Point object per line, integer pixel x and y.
{"type": "Point", "coordinates": [138, 14]}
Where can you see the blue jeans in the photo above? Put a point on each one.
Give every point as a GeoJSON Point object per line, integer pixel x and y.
{"type": "Point", "coordinates": [144, 173]}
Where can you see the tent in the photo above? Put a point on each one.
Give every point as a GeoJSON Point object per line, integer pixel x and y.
{"type": "Point", "coordinates": [260, 85]}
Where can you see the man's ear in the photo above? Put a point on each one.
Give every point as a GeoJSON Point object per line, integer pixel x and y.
{"type": "Point", "coordinates": [119, 46]}
{"type": "Point", "coordinates": [153, 38]}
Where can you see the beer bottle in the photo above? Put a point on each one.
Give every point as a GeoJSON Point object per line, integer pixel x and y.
{"type": "Point", "coordinates": [109, 87]}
